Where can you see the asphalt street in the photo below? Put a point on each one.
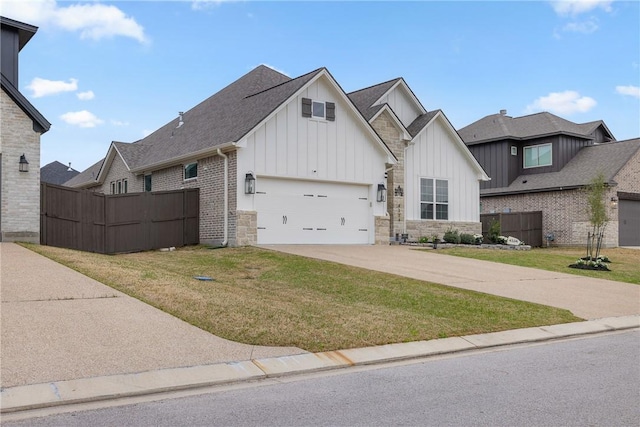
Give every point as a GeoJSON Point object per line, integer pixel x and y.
{"type": "Point", "coordinates": [588, 381]}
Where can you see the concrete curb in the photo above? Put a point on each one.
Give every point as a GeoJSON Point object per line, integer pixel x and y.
{"type": "Point", "coordinates": [58, 393]}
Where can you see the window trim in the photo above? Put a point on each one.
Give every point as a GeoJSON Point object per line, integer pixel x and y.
{"type": "Point", "coordinates": [537, 146]}
{"type": "Point", "coordinates": [150, 182]}
{"type": "Point", "coordinates": [324, 110]}
{"type": "Point", "coordinates": [184, 171]}
{"type": "Point", "coordinates": [434, 202]}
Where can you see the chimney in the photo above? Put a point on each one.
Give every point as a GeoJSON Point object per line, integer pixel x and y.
{"type": "Point", "coordinates": [503, 112]}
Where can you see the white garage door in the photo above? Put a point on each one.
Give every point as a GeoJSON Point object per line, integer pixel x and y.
{"type": "Point", "coordinates": [306, 212]}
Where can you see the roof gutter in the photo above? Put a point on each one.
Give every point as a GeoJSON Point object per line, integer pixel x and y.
{"type": "Point", "coordinates": [225, 224]}
{"type": "Point", "coordinates": [177, 160]}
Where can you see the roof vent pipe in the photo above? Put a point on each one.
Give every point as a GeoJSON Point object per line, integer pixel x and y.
{"type": "Point", "coordinates": [503, 112]}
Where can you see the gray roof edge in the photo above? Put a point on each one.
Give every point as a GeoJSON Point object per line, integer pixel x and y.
{"type": "Point", "coordinates": [633, 153]}
{"type": "Point", "coordinates": [25, 31]}
{"type": "Point", "coordinates": [178, 159]}
{"type": "Point", "coordinates": [25, 105]}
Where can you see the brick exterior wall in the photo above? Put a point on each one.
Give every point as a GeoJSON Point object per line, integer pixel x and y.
{"type": "Point", "coordinates": [382, 224]}
{"type": "Point", "coordinates": [210, 181]}
{"type": "Point", "coordinates": [20, 198]}
{"type": "Point", "coordinates": [386, 128]}
{"type": "Point", "coordinates": [427, 228]}
{"type": "Point", "coordinates": [628, 178]}
{"type": "Point", "coordinates": [564, 213]}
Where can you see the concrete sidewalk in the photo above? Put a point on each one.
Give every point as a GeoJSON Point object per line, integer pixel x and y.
{"type": "Point", "coordinates": [585, 297]}
{"type": "Point", "coordinates": [57, 324]}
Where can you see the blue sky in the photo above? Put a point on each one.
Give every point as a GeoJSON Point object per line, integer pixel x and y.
{"type": "Point", "coordinates": [105, 71]}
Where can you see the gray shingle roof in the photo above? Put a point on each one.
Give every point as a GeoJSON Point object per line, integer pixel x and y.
{"type": "Point", "coordinates": [56, 173]}
{"type": "Point", "coordinates": [86, 177]}
{"type": "Point", "coordinates": [607, 159]}
{"type": "Point", "coordinates": [498, 126]}
{"type": "Point", "coordinates": [222, 118]}
{"type": "Point", "coordinates": [363, 99]}
{"type": "Point", "coordinates": [420, 122]}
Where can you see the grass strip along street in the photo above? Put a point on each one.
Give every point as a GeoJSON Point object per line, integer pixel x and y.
{"type": "Point", "coordinates": [264, 297]}
{"type": "Point", "coordinates": [625, 265]}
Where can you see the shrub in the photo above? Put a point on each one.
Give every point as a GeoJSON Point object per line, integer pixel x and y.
{"type": "Point", "coordinates": [423, 240]}
{"type": "Point", "coordinates": [477, 238]}
{"type": "Point", "coordinates": [467, 239]}
{"type": "Point", "coordinates": [451, 236]}
{"type": "Point", "coordinates": [494, 231]}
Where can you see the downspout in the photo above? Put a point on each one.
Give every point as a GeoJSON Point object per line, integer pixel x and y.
{"type": "Point", "coordinates": [225, 240]}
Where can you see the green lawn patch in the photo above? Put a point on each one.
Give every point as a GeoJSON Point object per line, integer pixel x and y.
{"type": "Point", "coordinates": [625, 263]}
{"type": "Point", "coordinates": [265, 297]}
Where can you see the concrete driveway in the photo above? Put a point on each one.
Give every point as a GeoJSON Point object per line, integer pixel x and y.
{"type": "Point", "coordinates": [584, 297]}
{"type": "Point", "coordinates": [57, 324]}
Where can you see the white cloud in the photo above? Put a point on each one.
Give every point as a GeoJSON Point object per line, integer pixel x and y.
{"type": "Point", "coordinates": [567, 102]}
{"type": "Point", "coordinates": [629, 90]}
{"type": "Point", "coordinates": [576, 7]}
{"type": "Point", "coordinates": [586, 27]}
{"type": "Point", "coordinates": [43, 87]}
{"type": "Point", "coordinates": [93, 21]}
{"type": "Point", "coordinates": [85, 96]}
{"type": "Point", "coordinates": [207, 4]}
{"type": "Point", "coordinates": [83, 119]}
{"type": "Point", "coordinates": [119, 123]}
{"type": "Point", "coordinates": [274, 68]}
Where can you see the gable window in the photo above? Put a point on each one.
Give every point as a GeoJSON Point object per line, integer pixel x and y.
{"type": "Point", "coordinates": [537, 156]}
{"type": "Point", "coordinates": [434, 199]}
{"type": "Point", "coordinates": [318, 109]}
{"type": "Point", "coordinates": [191, 171]}
{"type": "Point", "coordinates": [147, 182]}
{"type": "Point", "coordinates": [125, 188]}
{"type": "Point", "coordinates": [119, 187]}
{"type": "Point", "coordinates": [113, 187]}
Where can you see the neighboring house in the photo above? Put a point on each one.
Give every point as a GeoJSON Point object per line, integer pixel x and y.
{"type": "Point", "coordinates": [281, 160]}
{"type": "Point", "coordinates": [57, 173]}
{"type": "Point", "coordinates": [20, 133]}
{"type": "Point", "coordinates": [541, 162]}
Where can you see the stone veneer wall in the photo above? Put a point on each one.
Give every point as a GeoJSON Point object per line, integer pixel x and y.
{"type": "Point", "coordinates": [382, 224]}
{"type": "Point", "coordinates": [564, 213]}
{"type": "Point", "coordinates": [20, 199]}
{"type": "Point", "coordinates": [427, 228]}
{"type": "Point", "coordinates": [388, 131]}
{"type": "Point", "coordinates": [247, 229]}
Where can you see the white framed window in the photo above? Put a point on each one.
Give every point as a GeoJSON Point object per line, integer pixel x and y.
{"type": "Point", "coordinates": [113, 187]}
{"type": "Point", "coordinates": [147, 182]}
{"type": "Point", "coordinates": [434, 199]}
{"type": "Point", "coordinates": [125, 188]}
{"type": "Point", "coordinates": [317, 109]}
{"type": "Point", "coordinates": [191, 171]}
{"type": "Point", "coordinates": [537, 156]}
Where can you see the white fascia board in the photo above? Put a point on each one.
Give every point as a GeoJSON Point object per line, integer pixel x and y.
{"type": "Point", "coordinates": [482, 175]}
{"type": "Point", "coordinates": [405, 133]}
{"type": "Point", "coordinates": [338, 89]}
{"type": "Point", "coordinates": [194, 155]}
{"type": "Point", "coordinates": [409, 92]}
{"type": "Point", "coordinates": [106, 165]}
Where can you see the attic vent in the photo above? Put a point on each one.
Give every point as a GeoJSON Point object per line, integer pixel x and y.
{"type": "Point", "coordinates": [503, 112]}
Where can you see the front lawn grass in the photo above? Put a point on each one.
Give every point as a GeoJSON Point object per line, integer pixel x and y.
{"type": "Point", "coordinates": [265, 297]}
{"type": "Point", "coordinates": [625, 266]}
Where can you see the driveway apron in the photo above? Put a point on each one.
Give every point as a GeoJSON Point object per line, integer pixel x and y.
{"type": "Point", "coordinates": [57, 324]}
{"type": "Point", "coordinates": [584, 297]}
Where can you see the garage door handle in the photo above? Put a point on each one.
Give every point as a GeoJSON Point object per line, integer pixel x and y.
{"type": "Point", "coordinates": [262, 228]}
{"type": "Point", "coordinates": [362, 229]}
{"type": "Point", "coordinates": [321, 229]}
{"type": "Point", "coordinates": [308, 229]}
{"type": "Point", "coordinates": [342, 221]}
{"type": "Point", "coordinates": [284, 219]}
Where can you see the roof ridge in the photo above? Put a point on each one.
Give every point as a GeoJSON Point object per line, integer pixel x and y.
{"type": "Point", "coordinates": [283, 83]}
{"type": "Point", "coordinates": [377, 84]}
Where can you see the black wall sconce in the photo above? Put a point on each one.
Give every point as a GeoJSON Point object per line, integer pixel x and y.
{"type": "Point", "coordinates": [249, 184]}
{"type": "Point", "coordinates": [614, 201]}
{"type": "Point", "coordinates": [398, 191]}
{"type": "Point", "coordinates": [24, 164]}
{"type": "Point", "coordinates": [382, 193]}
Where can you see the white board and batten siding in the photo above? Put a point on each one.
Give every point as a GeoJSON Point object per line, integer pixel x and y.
{"type": "Point", "coordinates": [435, 154]}
{"type": "Point", "coordinates": [310, 171]}
{"type": "Point", "coordinates": [402, 104]}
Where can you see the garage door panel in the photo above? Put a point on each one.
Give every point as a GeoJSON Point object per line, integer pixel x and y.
{"type": "Point", "coordinates": [296, 212]}
{"type": "Point", "coordinates": [629, 223]}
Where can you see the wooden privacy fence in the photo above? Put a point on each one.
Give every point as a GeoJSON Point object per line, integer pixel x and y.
{"type": "Point", "coordinates": [108, 224]}
{"type": "Point", "coordinates": [526, 226]}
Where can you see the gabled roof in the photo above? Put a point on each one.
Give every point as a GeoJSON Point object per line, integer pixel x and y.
{"type": "Point", "coordinates": [40, 124]}
{"type": "Point", "coordinates": [607, 159]}
{"type": "Point", "coordinates": [363, 99]}
{"type": "Point", "coordinates": [25, 31]}
{"type": "Point", "coordinates": [57, 173]}
{"type": "Point", "coordinates": [87, 178]}
{"type": "Point", "coordinates": [500, 126]}
{"type": "Point", "coordinates": [421, 121]}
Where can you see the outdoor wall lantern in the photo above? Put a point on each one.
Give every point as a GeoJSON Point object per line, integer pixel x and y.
{"type": "Point", "coordinates": [249, 184]}
{"type": "Point", "coordinates": [614, 201]}
{"type": "Point", "coordinates": [398, 191]}
{"type": "Point", "coordinates": [382, 193]}
{"type": "Point", "coordinates": [24, 165]}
